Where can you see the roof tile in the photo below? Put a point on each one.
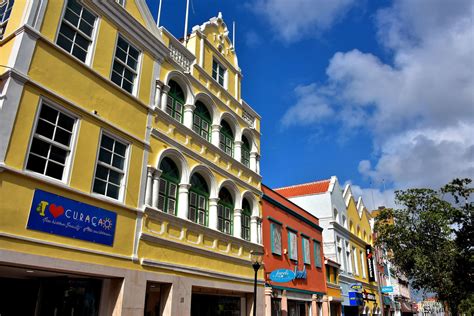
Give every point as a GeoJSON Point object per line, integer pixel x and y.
{"type": "Point", "coordinates": [317, 187]}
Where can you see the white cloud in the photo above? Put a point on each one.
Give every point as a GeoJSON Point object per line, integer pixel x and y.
{"type": "Point", "coordinates": [373, 198]}
{"type": "Point", "coordinates": [420, 107]}
{"type": "Point", "coordinates": [295, 19]}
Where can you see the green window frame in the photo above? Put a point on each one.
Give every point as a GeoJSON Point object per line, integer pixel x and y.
{"type": "Point", "coordinates": [226, 142]}
{"type": "Point", "coordinates": [246, 213]}
{"type": "Point", "coordinates": [336, 273]}
{"type": "Point", "coordinates": [202, 121]}
{"type": "Point", "coordinates": [275, 234]}
{"type": "Point", "coordinates": [306, 251]}
{"type": "Point", "coordinates": [328, 274]}
{"type": "Point", "coordinates": [175, 101]}
{"type": "Point", "coordinates": [168, 187]}
{"type": "Point", "coordinates": [317, 254]}
{"type": "Point", "coordinates": [292, 245]}
{"type": "Point", "coordinates": [245, 151]}
{"type": "Point", "coordinates": [225, 212]}
{"type": "Point", "coordinates": [198, 200]}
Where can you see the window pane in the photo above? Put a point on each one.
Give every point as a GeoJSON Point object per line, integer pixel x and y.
{"type": "Point", "coordinates": [62, 137]}
{"type": "Point", "coordinates": [171, 206]}
{"type": "Point", "coordinates": [202, 202]}
{"type": "Point", "coordinates": [102, 172]}
{"type": "Point", "coordinates": [40, 147]}
{"type": "Point", "coordinates": [172, 190]}
{"type": "Point", "coordinates": [36, 163]}
{"type": "Point", "coordinates": [161, 202]}
{"type": "Point", "coordinates": [64, 42]}
{"type": "Point", "coordinates": [120, 149]}
{"type": "Point", "coordinates": [45, 128]}
{"type": "Point", "coordinates": [58, 154]}
{"type": "Point", "coordinates": [118, 162]}
{"type": "Point", "coordinates": [99, 186]}
{"type": "Point", "coordinates": [54, 170]}
{"type": "Point", "coordinates": [192, 214]}
{"type": "Point", "coordinates": [192, 199]}
{"type": "Point", "coordinates": [162, 186]}
{"type": "Point", "coordinates": [105, 156]}
{"type": "Point", "coordinates": [113, 191]}
{"type": "Point", "coordinates": [114, 177]}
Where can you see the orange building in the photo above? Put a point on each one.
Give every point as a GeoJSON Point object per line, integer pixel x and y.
{"type": "Point", "coordinates": [293, 259]}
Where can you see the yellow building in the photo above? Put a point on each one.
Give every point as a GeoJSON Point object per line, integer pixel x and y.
{"type": "Point", "coordinates": [333, 296]}
{"type": "Point", "coordinates": [361, 254]}
{"type": "Point", "coordinates": [129, 164]}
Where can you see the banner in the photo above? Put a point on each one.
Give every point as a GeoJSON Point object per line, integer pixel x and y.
{"type": "Point", "coordinates": [57, 215]}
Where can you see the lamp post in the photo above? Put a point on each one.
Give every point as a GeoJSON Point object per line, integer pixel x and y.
{"type": "Point", "coordinates": [256, 257]}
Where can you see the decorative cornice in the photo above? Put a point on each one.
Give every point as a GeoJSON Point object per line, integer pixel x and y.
{"type": "Point", "coordinates": [291, 212]}
{"type": "Point", "coordinates": [127, 23]}
{"type": "Point", "coordinates": [156, 133]}
{"type": "Point", "coordinates": [197, 271]}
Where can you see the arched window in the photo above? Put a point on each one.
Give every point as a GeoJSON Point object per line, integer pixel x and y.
{"type": "Point", "coordinates": [245, 151]}
{"type": "Point", "coordinates": [336, 216]}
{"type": "Point", "coordinates": [174, 105]}
{"type": "Point", "coordinates": [225, 211]}
{"type": "Point", "coordinates": [226, 142]}
{"type": "Point", "coordinates": [169, 182]}
{"type": "Point", "coordinates": [351, 226]}
{"type": "Point", "coordinates": [202, 121]}
{"type": "Point", "coordinates": [246, 213]}
{"type": "Point", "coordinates": [198, 200]}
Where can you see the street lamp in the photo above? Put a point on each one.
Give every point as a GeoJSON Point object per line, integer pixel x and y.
{"type": "Point", "coordinates": [256, 257]}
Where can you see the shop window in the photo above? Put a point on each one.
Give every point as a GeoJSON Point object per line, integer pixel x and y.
{"type": "Point", "coordinates": [76, 30]}
{"type": "Point", "coordinates": [306, 252]}
{"type": "Point", "coordinates": [218, 72]}
{"type": "Point", "coordinates": [125, 67]}
{"type": "Point", "coordinates": [225, 212]}
{"type": "Point", "coordinates": [5, 11]}
{"type": "Point", "coordinates": [175, 101]}
{"type": "Point", "coordinates": [275, 230]}
{"type": "Point", "coordinates": [292, 245]}
{"type": "Point", "coordinates": [245, 151]}
{"type": "Point", "coordinates": [169, 182]}
{"type": "Point", "coordinates": [246, 213]}
{"type": "Point", "coordinates": [110, 167]}
{"type": "Point", "coordinates": [198, 200]}
{"type": "Point", "coordinates": [226, 142]}
{"type": "Point", "coordinates": [50, 148]}
{"type": "Point", "coordinates": [317, 254]}
{"type": "Point", "coordinates": [204, 304]}
{"type": "Point", "coordinates": [202, 121]}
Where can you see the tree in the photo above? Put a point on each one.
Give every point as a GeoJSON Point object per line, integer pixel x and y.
{"type": "Point", "coordinates": [430, 240]}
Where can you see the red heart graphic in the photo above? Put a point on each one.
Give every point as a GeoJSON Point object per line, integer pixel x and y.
{"type": "Point", "coordinates": [56, 210]}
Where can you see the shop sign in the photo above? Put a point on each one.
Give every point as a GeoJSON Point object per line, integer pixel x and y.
{"type": "Point", "coordinates": [282, 275]}
{"type": "Point", "coordinates": [368, 296]}
{"type": "Point", "coordinates": [387, 289]}
{"type": "Point", "coordinates": [370, 263]}
{"type": "Point", "coordinates": [300, 274]}
{"type": "Point", "coordinates": [356, 286]}
{"type": "Point", "coordinates": [61, 216]}
{"type": "Point", "coordinates": [356, 299]}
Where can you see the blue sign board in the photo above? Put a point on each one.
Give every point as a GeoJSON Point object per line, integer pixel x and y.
{"type": "Point", "coordinates": [356, 299]}
{"type": "Point", "coordinates": [282, 275]}
{"type": "Point", "coordinates": [58, 215]}
{"type": "Point", "coordinates": [387, 289]}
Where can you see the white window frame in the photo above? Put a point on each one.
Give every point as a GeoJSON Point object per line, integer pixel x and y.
{"type": "Point", "coordinates": [137, 72]}
{"type": "Point", "coordinates": [93, 37]}
{"type": "Point", "coordinates": [356, 261]}
{"type": "Point", "coordinates": [3, 21]}
{"type": "Point", "coordinates": [70, 157]}
{"type": "Point", "coordinates": [124, 181]}
{"type": "Point", "coordinates": [362, 258]}
{"type": "Point", "coordinates": [220, 67]}
{"type": "Point", "coordinates": [348, 257]}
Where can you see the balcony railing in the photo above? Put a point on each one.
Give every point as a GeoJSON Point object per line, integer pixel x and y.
{"type": "Point", "coordinates": [179, 58]}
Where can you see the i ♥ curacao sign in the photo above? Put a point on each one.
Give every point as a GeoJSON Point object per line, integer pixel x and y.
{"type": "Point", "coordinates": [58, 215]}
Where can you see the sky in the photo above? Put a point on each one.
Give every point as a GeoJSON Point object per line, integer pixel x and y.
{"type": "Point", "coordinates": [377, 93]}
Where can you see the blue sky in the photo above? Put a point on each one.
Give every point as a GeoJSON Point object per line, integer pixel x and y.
{"type": "Point", "coordinates": [378, 93]}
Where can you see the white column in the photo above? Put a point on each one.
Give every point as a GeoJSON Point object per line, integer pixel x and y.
{"type": "Point", "coordinates": [254, 229]}
{"type": "Point", "coordinates": [215, 134]}
{"type": "Point", "coordinates": [238, 150]}
{"type": "Point", "coordinates": [164, 97]}
{"type": "Point", "coordinates": [188, 115]}
{"type": "Point", "coordinates": [159, 86]}
{"type": "Point", "coordinates": [258, 165]}
{"type": "Point", "coordinates": [238, 223]}
{"type": "Point", "coordinates": [253, 161]}
{"type": "Point", "coordinates": [156, 187]}
{"type": "Point", "coordinates": [183, 200]}
{"type": "Point", "coordinates": [149, 185]}
{"type": "Point", "coordinates": [213, 212]}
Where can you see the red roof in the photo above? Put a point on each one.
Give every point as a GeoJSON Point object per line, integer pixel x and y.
{"type": "Point", "coordinates": [304, 189]}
